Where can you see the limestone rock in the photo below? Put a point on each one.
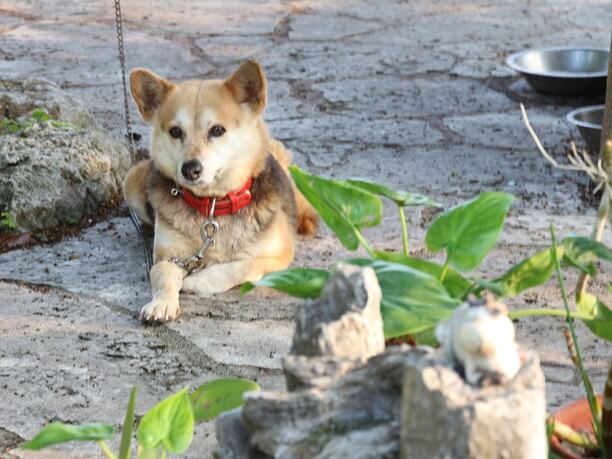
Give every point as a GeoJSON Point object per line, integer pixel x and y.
{"type": "Point", "coordinates": [356, 415]}
{"type": "Point", "coordinates": [345, 321]}
{"type": "Point", "coordinates": [55, 173]}
{"type": "Point", "coordinates": [444, 418]}
{"type": "Point", "coordinates": [307, 372]}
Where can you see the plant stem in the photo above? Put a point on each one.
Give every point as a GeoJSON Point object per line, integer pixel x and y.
{"type": "Point", "coordinates": [163, 453]}
{"type": "Point", "coordinates": [402, 216]}
{"type": "Point", "coordinates": [571, 436]}
{"type": "Point", "coordinates": [605, 155]}
{"type": "Point", "coordinates": [365, 244]}
{"type": "Point", "coordinates": [106, 450]}
{"type": "Point", "coordinates": [546, 312]}
{"type": "Point", "coordinates": [570, 323]}
{"type": "Point", "coordinates": [606, 417]}
{"type": "Point", "coordinates": [444, 271]}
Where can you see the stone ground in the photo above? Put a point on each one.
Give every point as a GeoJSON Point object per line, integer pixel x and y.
{"type": "Point", "coordinates": [413, 94]}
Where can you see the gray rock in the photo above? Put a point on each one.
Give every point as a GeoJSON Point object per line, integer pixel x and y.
{"type": "Point", "coordinates": [307, 372]}
{"type": "Point", "coordinates": [444, 418]}
{"type": "Point", "coordinates": [356, 415]}
{"type": "Point", "coordinates": [55, 173]}
{"type": "Point", "coordinates": [345, 321]}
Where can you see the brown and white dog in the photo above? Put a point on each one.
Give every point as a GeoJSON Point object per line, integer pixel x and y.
{"type": "Point", "coordinates": [209, 141]}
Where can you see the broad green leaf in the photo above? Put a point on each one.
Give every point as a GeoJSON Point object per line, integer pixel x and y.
{"type": "Point", "coordinates": [469, 231]}
{"type": "Point", "coordinates": [455, 284]}
{"type": "Point", "coordinates": [583, 252]}
{"type": "Point", "coordinates": [128, 425]}
{"type": "Point", "coordinates": [601, 324]}
{"type": "Point", "coordinates": [343, 207]}
{"type": "Point", "coordinates": [149, 453]}
{"type": "Point", "coordinates": [214, 397]}
{"type": "Point", "coordinates": [168, 424]}
{"type": "Point", "coordinates": [298, 282]}
{"type": "Point", "coordinates": [579, 252]}
{"type": "Point", "coordinates": [530, 272]}
{"type": "Point", "coordinates": [412, 300]}
{"type": "Point", "coordinates": [400, 198]}
{"type": "Point", "coordinates": [57, 432]}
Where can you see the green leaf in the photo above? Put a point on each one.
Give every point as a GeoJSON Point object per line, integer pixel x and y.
{"type": "Point", "coordinates": [412, 301]}
{"type": "Point", "coordinates": [601, 324]}
{"type": "Point", "coordinates": [469, 231]}
{"type": "Point", "coordinates": [57, 432]}
{"type": "Point", "coordinates": [343, 207]}
{"type": "Point", "coordinates": [530, 272]}
{"type": "Point", "coordinates": [298, 282]}
{"type": "Point", "coordinates": [400, 198]}
{"type": "Point", "coordinates": [168, 424]}
{"type": "Point", "coordinates": [579, 252]}
{"type": "Point", "coordinates": [40, 116]}
{"type": "Point", "coordinates": [455, 284]}
{"type": "Point", "coordinates": [128, 425]}
{"type": "Point", "coordinates": [583, 252]}
{"type": "Point", "coordinates": [214, 397]}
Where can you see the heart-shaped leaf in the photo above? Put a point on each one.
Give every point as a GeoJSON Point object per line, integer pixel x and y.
{"type": "Point", "coordinates": [298, 282]}
{"type": "Point", "coordinates": [343, 207]}
{"type": "Point", "coordinates": [528, 273]}
{"type": "Point", "coordinates": [412, 301]}
{"type": "Point", "coordinates": [455, 284]}
{"type": "Point", "coordinates": [582, 253]}
{"type": "Point", "coordinates": [400, 198]}
{"type": "Point", "coordinates": [469, 231]}
{"type": "Point", "coordinates": [57, 432]}
{"type": "Point", "coordinates": [214, 397]}
{"type": "Point", "coordinates": [168, 424]}
{"type": "Point", "coordinates": [601, 324]}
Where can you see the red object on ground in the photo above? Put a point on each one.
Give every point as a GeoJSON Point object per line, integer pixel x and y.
{"type": "Point", "coordinates": [577, 415]}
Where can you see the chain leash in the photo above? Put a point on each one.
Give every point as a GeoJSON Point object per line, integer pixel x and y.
{"type": "Point", "coordinates": [128, 129]}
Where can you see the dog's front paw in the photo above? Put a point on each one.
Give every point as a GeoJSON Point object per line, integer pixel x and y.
{"type": "Point", "coordinates": [160, 310]}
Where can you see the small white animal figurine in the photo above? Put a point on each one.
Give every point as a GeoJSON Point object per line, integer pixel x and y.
{"type": "Point", "coordinates": [479, 337]}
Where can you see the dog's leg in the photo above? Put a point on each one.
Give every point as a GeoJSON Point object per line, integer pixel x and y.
{"type": "Point", "coordinates": [134, 190]}
{"type": "Point", "coordinates": [166, 281]}
{"type": "Point", "coordinates": [224, 276]}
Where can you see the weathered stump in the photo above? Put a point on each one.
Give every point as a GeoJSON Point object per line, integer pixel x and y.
{"type": "Point", "coordinates": [443, 417]}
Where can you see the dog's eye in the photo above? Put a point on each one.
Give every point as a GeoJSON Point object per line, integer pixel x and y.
{"type": "Point", "coordinates": [216, 131]}
{"type": "Point", "coordinates": [176, 132]}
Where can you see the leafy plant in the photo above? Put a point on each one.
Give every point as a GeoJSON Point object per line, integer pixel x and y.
{"type": "Point", "coordinates": [419, 293]}
{"type": "Point", "coordinates": [167, 427]}
{"type": "Point", "coordinates": [7, 222]}
{"type": "Point", "coordinates": [38, 116]}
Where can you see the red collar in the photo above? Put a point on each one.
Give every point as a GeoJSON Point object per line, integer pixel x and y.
{"type": "Point", "coordinates": [230, 204]}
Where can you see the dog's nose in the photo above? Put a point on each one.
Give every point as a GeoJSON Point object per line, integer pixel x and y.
{"type": "Point", "coordinates": [191, 170]}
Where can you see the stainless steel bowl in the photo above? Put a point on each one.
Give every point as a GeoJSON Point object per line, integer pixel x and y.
{"type": "Point", "coordinates": [563, 70]}
{"type": "Point", "coordinates": [588, 120]}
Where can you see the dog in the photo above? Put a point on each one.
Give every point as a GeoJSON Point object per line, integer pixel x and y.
{"type": "Point", "coordinates": [217, 189]}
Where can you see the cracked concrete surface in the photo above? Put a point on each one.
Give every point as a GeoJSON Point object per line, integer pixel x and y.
{"type": "Point", "coordinates": [413, 94]}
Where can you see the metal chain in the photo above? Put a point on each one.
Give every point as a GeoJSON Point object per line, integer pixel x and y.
{"type": "Point", "coordinates": [126, 106]}
{"type": "Point", "coordinates": [128, 129]}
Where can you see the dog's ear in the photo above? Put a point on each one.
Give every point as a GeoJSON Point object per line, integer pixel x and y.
{"type": "Point", "coordinates": [149, 91]}
{"type": "Point", "coordinates": [248, 85]}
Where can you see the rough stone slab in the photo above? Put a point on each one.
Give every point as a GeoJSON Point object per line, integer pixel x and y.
{"type": "Point", "coordinates": [259, 344]}
{"type": "Point", "coordinates": [67, 358]}
{"type": "Point", "coordinates": [388, 96]}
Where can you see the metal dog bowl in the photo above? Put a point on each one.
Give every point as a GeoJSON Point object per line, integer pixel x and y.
{"type": "Point", "coordinates": [563, 70]}
{"type": "Point", "coordinates": [588, 120]}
